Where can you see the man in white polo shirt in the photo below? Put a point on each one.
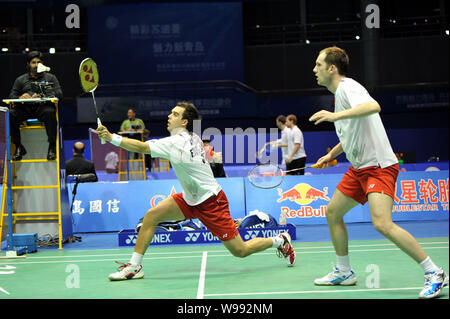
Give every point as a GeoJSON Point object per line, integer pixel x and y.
{"type": "Point", "coordinates": [296, 156]}
{"type": "Point", "coordinates": [202, 196]}
{"type": "Point", "coordinates": [371, 176]}
{"type": "Point", "coordinates": [283, 141]}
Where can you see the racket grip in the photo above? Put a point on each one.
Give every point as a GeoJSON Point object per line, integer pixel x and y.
{"type": "Point", "coordinates": [100, 123]}
{"type": "Point", "coordinates": [331, 163]}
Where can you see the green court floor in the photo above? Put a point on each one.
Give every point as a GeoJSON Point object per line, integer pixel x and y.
{"type": "Point", "coordinates": [210, 271]}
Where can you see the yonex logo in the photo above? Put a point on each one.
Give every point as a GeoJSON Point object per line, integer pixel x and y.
{"type": "Point", "coordinates": [131, 239]}
{"type": "Point", "coordinates": [192, 237]}
{"type": "Point", "coordinates": [371, 185]}
{"type": "Point", "coordinates": [251, 234]}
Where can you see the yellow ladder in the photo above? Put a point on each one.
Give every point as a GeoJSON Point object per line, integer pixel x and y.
{"type": "Point", "coordinates": [162, 165]}
{"type": "Point", "coordinates": [125, 173]}
{"type": "Point", "coordinates": [33, 216]}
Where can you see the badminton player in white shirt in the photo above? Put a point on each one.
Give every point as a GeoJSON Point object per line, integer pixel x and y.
{"type": "Point", "coordinates": [371, 176]}
{"type": "Point", "coordinates": [283, 141]}
{"type": "Point", "coordinates": [202, 196]}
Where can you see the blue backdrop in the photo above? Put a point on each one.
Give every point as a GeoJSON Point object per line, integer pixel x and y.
{"type": "Point", "coordinates": [303, 199]}
{"type": "Point", "coordinates": [106, 206]}
{"type": "Point", "coordinates": [159, 42]}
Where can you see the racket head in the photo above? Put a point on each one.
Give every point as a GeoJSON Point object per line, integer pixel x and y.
{"type": "Point", "coordinates": [266, 176]}
{"type": "Point", "coordinates": [89, 77]}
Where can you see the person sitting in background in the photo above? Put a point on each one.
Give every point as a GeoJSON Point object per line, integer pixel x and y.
{"type": "Point", "coordinates": [78, 164]}
{"type": "Point", "coordinates": [32, 85]}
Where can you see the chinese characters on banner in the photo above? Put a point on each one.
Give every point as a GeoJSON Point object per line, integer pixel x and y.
{"type": "Point", "coordinates": [421, 195]}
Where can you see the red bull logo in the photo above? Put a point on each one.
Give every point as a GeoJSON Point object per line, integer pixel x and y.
{"type": "Point", "coordinates": [303, 194]}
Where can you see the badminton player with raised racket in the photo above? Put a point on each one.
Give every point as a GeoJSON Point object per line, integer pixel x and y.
{"type": "Point", "coordinates": [36, 83]}
{"type": "Point", "coordinates": [371, 177]}
{"type": "Point", "coordinates": [201, 198]}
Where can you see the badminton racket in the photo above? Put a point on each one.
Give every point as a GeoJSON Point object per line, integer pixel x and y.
{"type": "Point", "coordinates": [270, 175]}
{"type": "Point", "coordinates": [89, 78]}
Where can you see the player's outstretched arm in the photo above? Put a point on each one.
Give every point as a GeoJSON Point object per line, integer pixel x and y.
{"type": "Point", "coordinates": [129, 144]}
{"type": "Point", "coordinates": [361, 110]}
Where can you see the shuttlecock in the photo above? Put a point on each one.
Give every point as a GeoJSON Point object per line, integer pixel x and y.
{"type": "Point", "coordinates": [42, 68]}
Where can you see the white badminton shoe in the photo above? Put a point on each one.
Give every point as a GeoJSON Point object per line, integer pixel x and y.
{"type": "Point", "coordinates": [286, 250]}
{"type": "Point", "coordinates": [337, 278]}
{"type": "Point", "coordinates": [127, 271]}
{"type": "Point", "coordinates": [435, 281]}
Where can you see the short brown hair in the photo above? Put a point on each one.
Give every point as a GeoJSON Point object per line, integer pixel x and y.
{"type": "Point", "coordinates": [292, 118]}
{"type": "Point", "coordinates": [190, 113]}
{"type": "Point", "coordinates": [338, 57]}
{"type": "Point", "coordinates": [281, 118]}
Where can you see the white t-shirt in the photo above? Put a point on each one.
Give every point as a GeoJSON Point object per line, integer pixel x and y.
{"type": "Point", "coordinates": [295, 136]}
{"type": "Point", "coordinates": [364, 140]}
{"type": "Point", "coordinates": [111, 160]}
{"type": "Point", "coordinates": [187, 156]}
{"type": "Point", "coordinates": [284, 140]}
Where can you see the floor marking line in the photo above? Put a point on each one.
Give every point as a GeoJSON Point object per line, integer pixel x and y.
{"type": "Point", "coordinates": [311, 291]}
{"type": "Point", "coordinates": [109, 255]}
{"type": "Point", "coordinates": [369, 245]}
{"type": "Point", "coordinates": [296, 246]}
{"type": "Point", "coordinates": [213, 255]}
{"type": "Point", "coordinates": [95, 260]}
{"type": "Point", "coordinates": [3, 290]}
{"type": "Point", "coordinates": [201, 280]}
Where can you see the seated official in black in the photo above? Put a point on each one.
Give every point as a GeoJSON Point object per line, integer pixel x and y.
{"type": "Point", "coordinates": [78, 164]}
{"type": "Point", "coordinates": [34, 85]}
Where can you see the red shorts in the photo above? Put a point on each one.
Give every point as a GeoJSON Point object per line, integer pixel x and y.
{"type": "Point", "coordinates": [357, 183]}
{"type": "Point", "coordinates": [213, 213]}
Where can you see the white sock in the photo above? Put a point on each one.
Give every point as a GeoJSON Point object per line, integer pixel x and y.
{"type": "Point", "coordinates": [428, 265]}
{"type": "Point", "coordinates": [136, 259]}
{"type": "Point", "coordinates": [343, 263]}
{"type": "Point", "coordinates": [277, 241]}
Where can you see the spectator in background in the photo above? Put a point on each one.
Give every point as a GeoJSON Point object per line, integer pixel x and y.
{"type": "Point", "coordinates": [32, 85]}
{"type": "Point", "coordinates": [78, 164]}
{"type": "Point", "coordinates": [214, 158]}
{"type": "Point", "coordinates": [296, 147]}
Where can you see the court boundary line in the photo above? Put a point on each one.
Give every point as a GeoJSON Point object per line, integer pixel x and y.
{"type": "Point", "coordinates": [296, 242]}
{"type": "Point", "coordinates": [201, 280]}
{"type": "Point", "coordinates": [25, 262]}
{"type": "Point", "coordinates": [216, 251]}
{"type": "Point", "coordinates": [312, 291]}
{"type": "Point", "coordinates": [4, 291]}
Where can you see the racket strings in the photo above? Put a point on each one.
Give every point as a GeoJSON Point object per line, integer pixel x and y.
{"type": "Point", "coordinates": [266, 176]}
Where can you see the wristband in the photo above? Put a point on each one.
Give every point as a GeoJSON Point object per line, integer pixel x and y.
{"type": "Point", "coordinates": [116, 140]}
